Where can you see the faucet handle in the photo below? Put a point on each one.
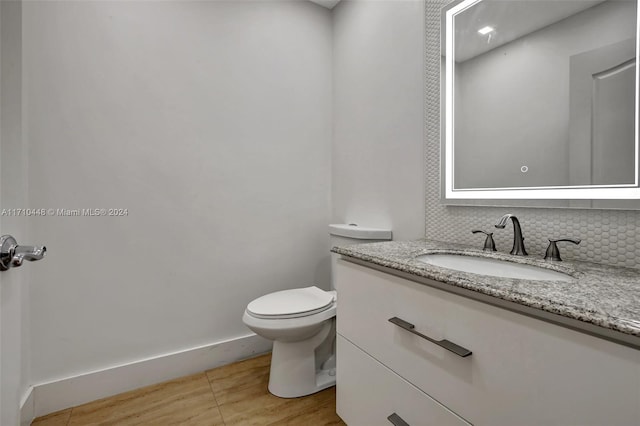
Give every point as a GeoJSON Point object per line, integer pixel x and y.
{"type": "Point", "coordinates": [552, 251]}
{"type": "Point", "coordinates": [489, 244]}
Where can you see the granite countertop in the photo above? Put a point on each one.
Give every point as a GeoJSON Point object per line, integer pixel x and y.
{"type": "Point", "coordinates": [602, 295]}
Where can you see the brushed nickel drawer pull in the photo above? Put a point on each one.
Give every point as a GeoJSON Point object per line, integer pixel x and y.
{"type": "Point", "coordinates": [458, 350]}
{"type": "Point", "coordinates": [396, 420]}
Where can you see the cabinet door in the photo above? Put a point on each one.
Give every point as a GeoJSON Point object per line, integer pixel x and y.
{"type": "Point", "coordinates": [523, 371]}
{"type": "Point", "coordinates": [368, 393]}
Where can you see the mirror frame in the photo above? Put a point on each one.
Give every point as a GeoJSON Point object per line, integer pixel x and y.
{"type": "Point", "coordinates": [582, 192]}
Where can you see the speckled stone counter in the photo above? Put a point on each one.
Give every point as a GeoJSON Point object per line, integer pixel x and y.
{"type": "Point", "coordinates": [601, 295]}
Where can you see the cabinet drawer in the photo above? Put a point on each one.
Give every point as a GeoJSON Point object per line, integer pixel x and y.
{"type": "Point", "coordinates": [523, 371]}
{"type": "Point", "coordinates": [368, 393]}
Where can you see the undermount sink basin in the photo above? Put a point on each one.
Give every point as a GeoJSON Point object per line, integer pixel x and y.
{"type": "Point", "coordinates": [493, 267]}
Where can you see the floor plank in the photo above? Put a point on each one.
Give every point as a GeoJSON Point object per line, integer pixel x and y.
{"type": "Point", "coordinates": [323, 412]}
{"type": "Point", "coordinates": [243, 398]}
{"type": "Point", "coordinates": [184, 401]}
{"type": "Point", "coordinates": [59, 418]}
{"type": "Point", "coordinates": [234, 394]}
{"type": "Point", "coordinates": [241, 380]}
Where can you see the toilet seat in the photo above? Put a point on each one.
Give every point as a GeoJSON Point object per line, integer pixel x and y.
{"type": "Point", "coordinates": [295, 303]}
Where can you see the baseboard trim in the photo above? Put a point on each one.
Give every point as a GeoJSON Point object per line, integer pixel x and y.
{"type": "Point", "coordinates": [86, 387]}
{"type": "Point", "coordinates": [27, 407]}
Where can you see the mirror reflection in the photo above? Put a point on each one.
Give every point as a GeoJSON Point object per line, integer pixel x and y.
{"type": "Point", "coordinates": [543, 95]}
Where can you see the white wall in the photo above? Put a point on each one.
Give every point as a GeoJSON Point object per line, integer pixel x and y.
{"type": "Point", "coordinates": [378, 163]}
{"type": "Point", "coordinates": [211, 123]}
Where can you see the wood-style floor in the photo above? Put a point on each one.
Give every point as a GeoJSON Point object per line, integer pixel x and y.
{"type": "Point", "coordinates": [235, 394]}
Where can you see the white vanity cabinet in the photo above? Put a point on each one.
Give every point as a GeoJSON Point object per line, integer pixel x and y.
{"type": "Point", "coordinates": [522, 370]}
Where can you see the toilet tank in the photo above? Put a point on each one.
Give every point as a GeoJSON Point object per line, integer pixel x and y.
{"type": "Point", "coordinates": [346, 234]}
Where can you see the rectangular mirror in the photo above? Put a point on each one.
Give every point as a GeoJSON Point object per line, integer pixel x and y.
{"type": "Point", "coordinates": [541, 100]}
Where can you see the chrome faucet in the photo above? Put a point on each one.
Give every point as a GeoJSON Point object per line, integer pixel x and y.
{"type": "Point", "coordinates": [518, 240]}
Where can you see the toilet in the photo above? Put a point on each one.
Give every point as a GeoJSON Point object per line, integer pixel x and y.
{"type": "Point", "coordinates": [302, 324]}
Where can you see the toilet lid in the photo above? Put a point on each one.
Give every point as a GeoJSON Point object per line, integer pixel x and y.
{"type": "Point", "coordinates": [291, 303]}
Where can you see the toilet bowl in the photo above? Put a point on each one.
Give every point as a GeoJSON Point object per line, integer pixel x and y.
{"type": "Point", "coordinates": [302, 324]}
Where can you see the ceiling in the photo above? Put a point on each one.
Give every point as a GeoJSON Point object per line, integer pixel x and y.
{"type": "Point", "coordinates": [329, 4]}
{"type": "Point", "coordinates": [511, 20]}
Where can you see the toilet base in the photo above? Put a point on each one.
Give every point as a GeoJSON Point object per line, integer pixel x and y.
{"type": "Point", "coordinates": [293, 367]}
{"type": "Point", "coordinates": [324, 380]}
